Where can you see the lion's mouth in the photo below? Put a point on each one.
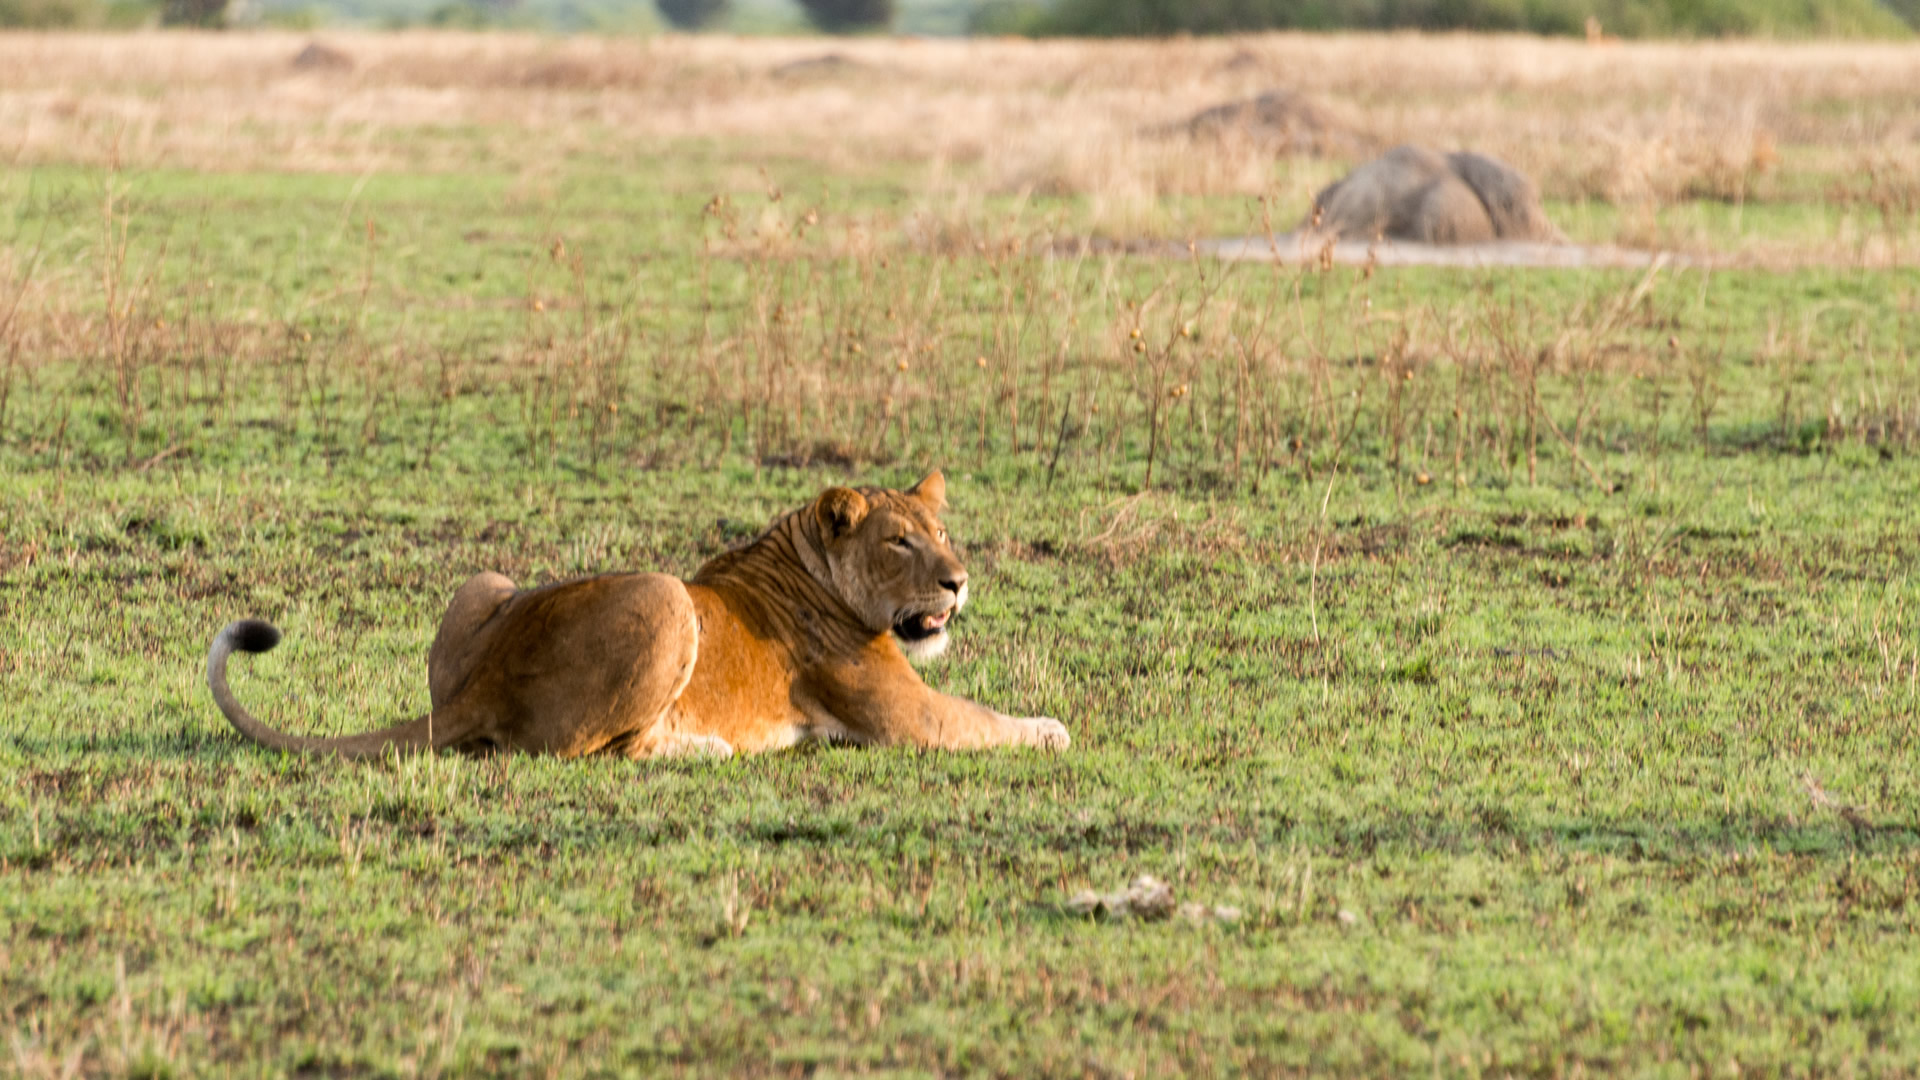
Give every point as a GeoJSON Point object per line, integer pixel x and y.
{"type": "Point", "coordinates": [922, 626]}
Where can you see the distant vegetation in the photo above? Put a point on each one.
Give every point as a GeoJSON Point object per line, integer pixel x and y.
{"type": "Point", "coordinates": [949, 17]}
{"type": "Point", "coordinates": [75, 14]}
{"type": "Point", "coordinates": [692, 14]}
{"type": "Point", "coordinates": [1091, 18]}
{"type": "Point", "coordinates": [1625, 18]}
{"type": "Point", "coordinates": [839, 16]}
{"type": "Point", "coordinates": [1906, 9]}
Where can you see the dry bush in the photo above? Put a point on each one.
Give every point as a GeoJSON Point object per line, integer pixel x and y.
{"type": "Point", "coordinates": [1888, 184]}
{"type": "Point", "coordinates": [1730, 166]}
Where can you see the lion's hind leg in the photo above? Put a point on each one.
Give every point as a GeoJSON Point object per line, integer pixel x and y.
{"type": "Point", "coordinates": [612, 656]}
{"type": "Point", "coordinates": [459, 645]}
{"type": "Point", "coordinates": [580, 667]}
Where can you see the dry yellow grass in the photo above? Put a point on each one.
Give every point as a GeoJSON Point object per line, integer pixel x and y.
{"type": "Point", "coordinates": [1635, 125]}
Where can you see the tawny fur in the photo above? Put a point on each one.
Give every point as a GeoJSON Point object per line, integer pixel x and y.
{"type": "Point", "coordinates": [798, 635]}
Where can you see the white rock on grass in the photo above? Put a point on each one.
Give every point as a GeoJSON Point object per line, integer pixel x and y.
{"type": "Point", "coordinates": [1146, 898]}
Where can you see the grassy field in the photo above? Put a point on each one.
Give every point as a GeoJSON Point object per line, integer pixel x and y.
{"type": "Point", "coordinates": [1533, 657]}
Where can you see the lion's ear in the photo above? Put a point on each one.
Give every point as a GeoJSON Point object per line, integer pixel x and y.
{"type": "Point", "coordinates": [840, 510]}
{"type": "Point", "coordinates": [932, 490]}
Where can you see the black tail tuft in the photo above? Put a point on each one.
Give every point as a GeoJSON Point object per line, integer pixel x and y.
{"type": "Point", "coordinates": [253, 635]}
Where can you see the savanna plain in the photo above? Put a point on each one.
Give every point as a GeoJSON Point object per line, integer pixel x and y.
{"type": "Point", "coordinates": [1529, 656]}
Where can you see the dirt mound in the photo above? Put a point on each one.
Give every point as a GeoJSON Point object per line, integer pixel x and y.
{"type": "Point", "coordinates": [825, 66]}
{"type": "Point", "coordinates": [1287, 122]}
{"type": "Point", "coordinates": [1243, 61]}
{"type": "Point", "coordinates": [317, 57]}
{"type": "Point", "coordinates": [1413, 193]}
{"type": "Point", "coordinates": [563, 73]}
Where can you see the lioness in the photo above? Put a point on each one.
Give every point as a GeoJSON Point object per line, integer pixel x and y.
{"type": "Point", "coordinates": [798, 635]}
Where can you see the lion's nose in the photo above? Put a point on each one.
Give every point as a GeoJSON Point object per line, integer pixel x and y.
{"type": "Point", "coordinates": [954, 582]}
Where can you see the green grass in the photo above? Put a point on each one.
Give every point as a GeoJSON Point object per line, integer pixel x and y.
{"type": "Point", "coordinates": [1508, 775]}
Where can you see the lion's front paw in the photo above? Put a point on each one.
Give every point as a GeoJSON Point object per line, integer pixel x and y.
{"type": "Point", "coordinates": [1044, 732]}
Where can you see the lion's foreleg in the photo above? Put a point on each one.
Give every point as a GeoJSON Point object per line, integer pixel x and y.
{"type": "Point", "coordinates": [958, 724]}
{"type": "Point", "coordinates": [887, 704]}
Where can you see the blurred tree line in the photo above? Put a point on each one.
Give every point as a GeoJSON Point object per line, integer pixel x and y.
{"type": "Point", "coordinates": [832, 16]}
{"type": "Point", "coordinates": [1097, 18]}
{"type": "Point", "coordinates": [1626, 18]}
{"type": "Point", "coordinates": [112, 14]}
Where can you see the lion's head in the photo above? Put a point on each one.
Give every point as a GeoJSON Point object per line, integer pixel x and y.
{"type": "Point", "coordinates": [891, 560]}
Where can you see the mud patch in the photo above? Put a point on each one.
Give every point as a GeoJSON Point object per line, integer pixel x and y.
{"type": "Point", "coordinates": [1302, 249]}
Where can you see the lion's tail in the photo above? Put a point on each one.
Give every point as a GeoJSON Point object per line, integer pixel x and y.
{"type": "Point", "coordinates": [254, 636]}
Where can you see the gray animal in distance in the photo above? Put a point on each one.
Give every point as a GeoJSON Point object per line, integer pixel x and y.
{"type": "Point", "coordinates": [1413, 193]}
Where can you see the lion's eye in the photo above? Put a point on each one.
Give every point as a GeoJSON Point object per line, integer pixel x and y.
{"type": "Point", "coordinates": [903, 543]}
{"type": "Point", "coordinates": [942, 534]}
